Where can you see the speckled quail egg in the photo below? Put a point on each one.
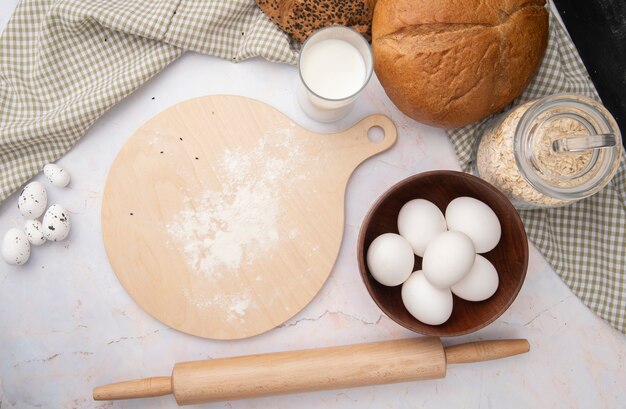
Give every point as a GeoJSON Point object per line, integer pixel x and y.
{"type": "Point", "coordinates": [58, 176]}
{"type": "Point", "coordinates": [56, 223]}
{"type": "Point", "coordinates": [34, 232]}
{"type": "Point", "coordinates": [33, 200]}
{"type": "Point", "coordinates": [15, 247]}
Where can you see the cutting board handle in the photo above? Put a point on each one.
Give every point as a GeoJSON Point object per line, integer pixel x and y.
{"type": "Point", "coordinates": [359, 133]}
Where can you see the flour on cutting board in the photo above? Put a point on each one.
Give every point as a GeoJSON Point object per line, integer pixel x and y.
{"type": "Point", "coordinates": [233, 307]}
{"type": "Point", "coordinates": [157, 137]}
{"type": "Point", "coordinates": [222, 230]}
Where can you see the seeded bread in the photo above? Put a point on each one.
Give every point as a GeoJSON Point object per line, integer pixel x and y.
{"type": "Point", "coordinates": [449, 63]}
{"type": "Point", "coordinates": [300, 18]}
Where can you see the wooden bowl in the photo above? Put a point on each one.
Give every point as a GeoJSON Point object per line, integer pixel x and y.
{"type": "Point", "coordinates": [510, 257]}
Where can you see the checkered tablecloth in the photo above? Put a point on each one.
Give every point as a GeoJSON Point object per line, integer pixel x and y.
{"type": "Point", "coordinates": [63, 63]}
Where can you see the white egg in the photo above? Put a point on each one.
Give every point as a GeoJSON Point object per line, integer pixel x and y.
{"type": "Point", "coordinates": [390, 259]}
{"type": "Point", "coordinates": [420, 221]}
{"type": "Point", "coordinates": [33, 200]}
{"type": "Point", "coordinates": [58, 176]}
{"type": "Point", "coordinates": [477, 220]}
{"type": "Point", "coordinates": [428, 304]}
{"type": "Point", "coordinates": [34, 232]}
{"type": "Point", "coordinates": [56, 223]}
{"type": "Point", "coordinates": [480, 283]}
{"type": "Point", "coordinates": [448, 258]}
{"type": "Point", "coordinates": [15, 247]}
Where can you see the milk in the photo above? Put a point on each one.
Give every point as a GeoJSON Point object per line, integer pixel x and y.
{"type": "Point", "coordinates": [335, 64]}
{"type": "Point", "coordinates": [333, 69]}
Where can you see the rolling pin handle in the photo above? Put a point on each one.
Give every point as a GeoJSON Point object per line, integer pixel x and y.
{"type": "Point", "coordinates": [139, 388]}
{"type": "Point", "coordinates": [485, 350]}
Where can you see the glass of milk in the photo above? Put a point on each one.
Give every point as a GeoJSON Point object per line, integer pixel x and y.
{"type": "Point", "coordinates": [335, 65]}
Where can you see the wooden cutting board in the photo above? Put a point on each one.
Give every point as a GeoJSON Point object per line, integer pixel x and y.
{"type": "Point", "coordinates": [223, 219]}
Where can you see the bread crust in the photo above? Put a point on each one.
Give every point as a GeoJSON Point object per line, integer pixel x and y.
{"type": "Point", "coordinates": [448, 63]}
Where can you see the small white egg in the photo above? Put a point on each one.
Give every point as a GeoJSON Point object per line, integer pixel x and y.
{"type": "Point", "coordinates": [56, 223]}
{"type": "Point", "coordinates": [480, 283]}
{"type": "Point", "coordinates": [477, 220]}
{"type": "Point", "coordinates": [420, 221]}
{"type": "Point", "coordinates": [428, 304]}
{"type": "Point", "coordinates": [15, 247]}
{"type": "Point", "coordinates": [58, 176]}
{"type": "Point", "coordinates": [34, 232]}
{"type": "Point", "coordinates": [33, 200]}
{"type": "Point", "coordinates": [448, 258]}
{"type": "Point", "coordinates": [390, 259]}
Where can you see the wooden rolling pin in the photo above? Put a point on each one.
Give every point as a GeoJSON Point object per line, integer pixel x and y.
{"type": "Point", "coordinates": [310, 370]}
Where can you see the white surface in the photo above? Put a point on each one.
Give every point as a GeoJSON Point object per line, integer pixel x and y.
{"type": "Point", "coordinates": [66, 325]}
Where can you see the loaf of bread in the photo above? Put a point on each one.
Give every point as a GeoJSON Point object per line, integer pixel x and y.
{"type": "Point", "coordinates": [300, 18]}
{"type": "Point", "coordinates": [449, 63]}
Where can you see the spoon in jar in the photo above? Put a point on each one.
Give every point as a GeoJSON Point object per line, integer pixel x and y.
{"type": "Point", "coordinates": [579, 143]}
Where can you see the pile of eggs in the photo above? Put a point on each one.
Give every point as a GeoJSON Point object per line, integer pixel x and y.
{"type": "Point", "coordinates": [450, 248]}
{"type": "Point", "coordinates": [32, 202]}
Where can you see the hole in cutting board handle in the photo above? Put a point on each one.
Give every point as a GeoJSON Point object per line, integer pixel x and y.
{"type": "Point", "coordinates": [376, 134]}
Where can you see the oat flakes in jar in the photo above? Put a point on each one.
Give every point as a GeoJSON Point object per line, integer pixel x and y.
{"type": "Point", "coordinates": [549, 152]}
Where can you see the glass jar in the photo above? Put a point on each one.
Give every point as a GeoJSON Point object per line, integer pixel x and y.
{"type": "Point", "coordinates": [549, 152]}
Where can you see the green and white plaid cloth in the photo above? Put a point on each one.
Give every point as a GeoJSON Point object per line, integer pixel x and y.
{"type": "Point", "coordinates": [63, 63]}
